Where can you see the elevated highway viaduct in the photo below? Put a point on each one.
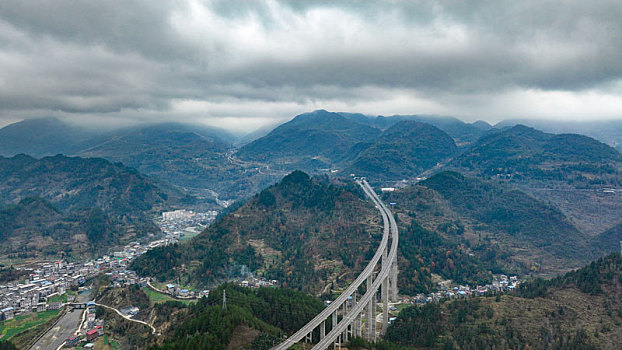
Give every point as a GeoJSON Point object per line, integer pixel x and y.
{"type": "Point", "coordinates": [358, 311]}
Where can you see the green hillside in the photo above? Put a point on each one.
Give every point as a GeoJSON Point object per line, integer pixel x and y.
{"type": "Point", "coordinates": [425, 252]}
{"type": "Point", "coordinates": [403, 151]}
{"type": "Point", "coordinates": [567, 170]}
{"type": "Point", "coordinates": [73, 182]}
{"type": "Point", "coordinates": [524, 153]}
{"type": "Point", "coordinates": [609, 240]}
{"type": "Point", "coordinates": [254, 319]}
{"type": "Point", "coordinates": [580, 310]}
{"type": "Point", "coordinates": [302, 232]}
{"type": "Point", "coordinates": [502, 228]}
{"type": "Point", "coordinates": [193, 157]}
{"type": "Point", "coordinates": [463, 133]}
{"type": "Point", "coordinates": [75, 205]}
{"type": "Point", "coordinates": [313, 236]}
{"type": "Point", "coordinates": [34, 226]}
{"type": "Point", "coordinates": [511, 211]}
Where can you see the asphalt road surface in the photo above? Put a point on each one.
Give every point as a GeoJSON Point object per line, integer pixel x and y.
{"type": "Point", "coordinates": [63, 328]}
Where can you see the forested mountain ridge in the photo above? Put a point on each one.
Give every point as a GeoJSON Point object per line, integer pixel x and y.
{"type": "Point", "coordinates": [35, 227]}
{"type": "Point", "coordinates": [402, 151]}
{"type": "Point", "coordinates": [608, 240]}
{"type": "Point", "coordinates": [524, 153]}
{"type": "Point", "coordinates": [79, 204]}
{"type": "Point", "coordinates": [305, 233]}
{"type": "Point", "coordinates": [186, 156]}
{"type": "Point", "coordinates": [41, 137]}
{"type": "Point", "coordinates": [302, 232]}
{"type": "Point", "coordinates": [395, 149]}
{"type": "Point", "coordinates": [499, 226]}
{"type": "Point", "coordinates": [316, 139]}
{"type": "Point", "coordinates": [568, 170]}
{"type": "Point", "coordinates": [511, 211]}
{"type": "Point", "coordinates": [607, 131]}
{"type": "Point", "coordinates": [73, 182]}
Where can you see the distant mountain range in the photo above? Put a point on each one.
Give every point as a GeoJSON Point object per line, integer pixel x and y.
{"type": "Point", "coordinates": [318, 139]}
{"type": "Point", "coordinates": [508, 169]}
{"type": "Point", "coordinates": [607, 131]}
{"type": "Point", "coordinates": [357, 143]}
{"type": "Point", "coordinates": [206, 162]}
{"type": "Point", "coordinates": [463, 133]}
{"type": "Point", "coordinates": [191, 157]}
{"type": "Point", "coordinates": [41, 137]}
{"type": "Point", "coordinates": [569, 170]}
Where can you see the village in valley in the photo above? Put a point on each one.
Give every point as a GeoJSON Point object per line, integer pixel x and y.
{"type": "Point", "coordinates": [52, 286]}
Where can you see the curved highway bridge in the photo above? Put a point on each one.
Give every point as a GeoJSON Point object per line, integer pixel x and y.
{"type": "Point", "coordinates": [358, 316]}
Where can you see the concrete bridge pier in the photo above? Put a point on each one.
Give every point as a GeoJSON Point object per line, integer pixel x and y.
{"type": "Point", "coordinates": [360, 325]}
{"type": "Point", "coordinates": [385, 295]}
{"type": "Point", "coordinates": [385, 305]}
{"type": "Point", "coordinates": [393, 279]}
{"type": "Point", "coordinates": [373, 319]}
{"type": "Point", "coordinates": [370, 315]}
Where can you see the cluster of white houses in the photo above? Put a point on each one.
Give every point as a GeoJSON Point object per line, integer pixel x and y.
{"type": "Point", "coordinates": [175, 224]}
{"type": "Point", "coordinates": [47, 280]}
{"type": "Point", "coordinates": [257, 282]}
{"type": "Point", "coordinates": [449, 290]}
{"type": "Point", "coordinates": [43, 283]}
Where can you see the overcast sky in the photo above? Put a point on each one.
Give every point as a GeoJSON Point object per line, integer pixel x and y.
{"type": "Point", "coordinates": [243, 64]}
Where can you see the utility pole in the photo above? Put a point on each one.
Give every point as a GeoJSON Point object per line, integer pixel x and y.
{"type": "Point", "coordinates": [224, 299]}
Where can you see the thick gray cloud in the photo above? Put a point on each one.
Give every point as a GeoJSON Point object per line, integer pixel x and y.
{"type": "Point", "coordinates": [246, 63]}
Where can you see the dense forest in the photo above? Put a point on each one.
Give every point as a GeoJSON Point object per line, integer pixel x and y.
{"type": "Point", "coordinates": [300, 219]}
{"type": "Point", "coordinates": [5, 345]}
{"type": "Point", "coordinates": [423, 252]}
{"type": "Point", "coordinates": [595, 279]}
{"type": "Point", "coordinates": [35, 226]}
{"type": "Point", "coordinates": [268, 312]}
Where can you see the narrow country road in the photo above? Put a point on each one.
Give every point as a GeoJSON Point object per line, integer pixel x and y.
{"type": "Point", "coordinates": [153, 330]}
